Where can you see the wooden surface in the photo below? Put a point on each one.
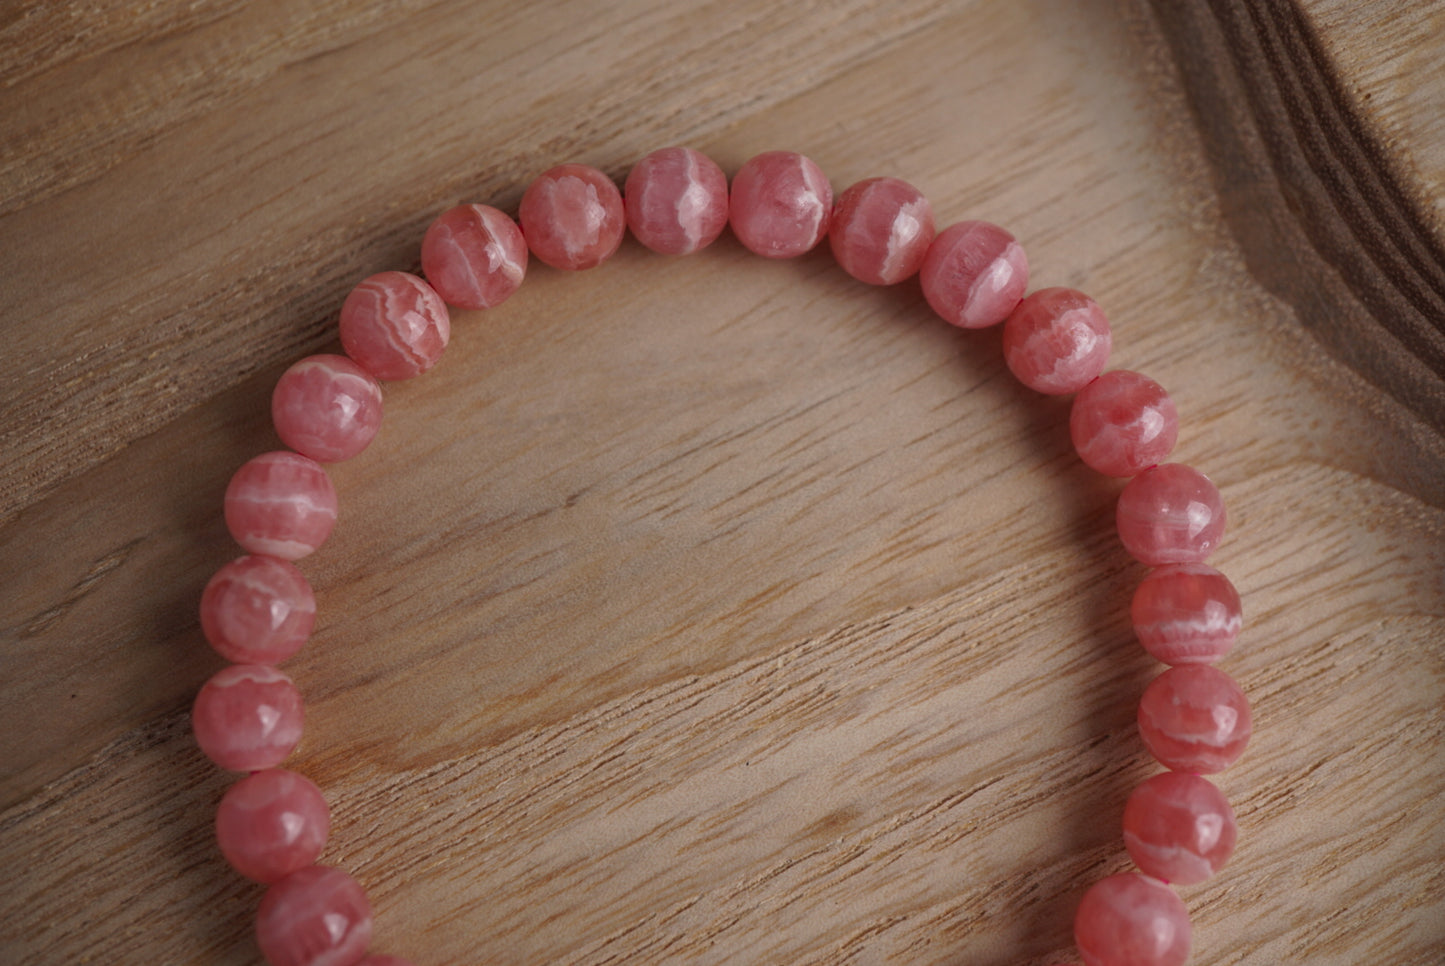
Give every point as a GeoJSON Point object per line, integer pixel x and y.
{"type": "Point", "coordinates": [721, 610]}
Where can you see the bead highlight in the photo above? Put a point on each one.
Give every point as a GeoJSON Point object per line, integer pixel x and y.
{"type": "Point", "coordinates": [676, 200]}
{"type": "Point", "coordinates": [572, 217]}
{"type": "Point", "coordinates": [316, 916]}
{"type": "Point", "coordinates": [257, 610]}
{"type": "Point", "coordinates": [247, 717]}
{"type": "Point", "coordinates": [974, 274]}
{"type": "Point", "coordinates": [394, 325]}
{"type": "Point", "coordinates": [1194, 718]}
{"type": "Point", "coordinates": [780, 204]}
{"type": "Point", "coordinates": [881, 229]}
{"type": "Point", "coordinates": [280, 504]}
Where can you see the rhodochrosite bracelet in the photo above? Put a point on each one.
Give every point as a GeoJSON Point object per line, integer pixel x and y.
{"type": "Point", "coordinates": [258, 610]}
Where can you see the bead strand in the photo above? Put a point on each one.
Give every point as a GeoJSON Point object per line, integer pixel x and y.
{"type": "Point", "coordinates": [259, 609]}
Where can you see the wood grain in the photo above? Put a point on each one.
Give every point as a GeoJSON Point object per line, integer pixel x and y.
{"type": "Point", "coordinates": [714, 609]}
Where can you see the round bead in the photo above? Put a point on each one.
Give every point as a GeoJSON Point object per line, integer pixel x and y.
{"type": "Point", "coordinates": [257, 610]}
{"type": "Point", "coordinates": [272, 823]}
{"type": "Point", "coordinates": [1179, 828]}
{"type": "Point", "coordinates": [1187, 614]}
{"type": "Point", "coordinates": [676, 201]}
{"type": "Point", "coordinates": [395, 325]}
{"type": "Point", "coordinates": [1170, 514]}
{"type": "Point", "coordinates": [1122, 423]}
{"type": "Point", "coordinates": [780, 204]}
{"type": "Point", "coordinates": [880, 230]}
{"type": "Point", "coordinates": [316, 916]}
{"type": "Point", "coordinates": [247, 717]}
{"type": "Point", "coordinates": [1057, 341]}
{"type": "Point", "coordinates": [326, 407]}
{"type": "Point", "coordinates": [572, 217]}
{"type": "Point", "coordinates": [1132, 920]}
{"type": "Point", "coordinates": [974, 274]}
{"type": "Point", "coordinates": [1194, 718]}
{"type": "Point", "coordinates": [474, 256]}
{"type": "Point", "coordinates": [281, 504]}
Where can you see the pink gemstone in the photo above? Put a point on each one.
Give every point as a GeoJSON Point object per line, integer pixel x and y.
{"type": "Point", "coordinates": [1170, 514]}
{"type": "Point", "coordinates": [326, 407]}
{"type": "Point", "coordinates": [676, 201]}
{"type": "Point", "coordinates": [474, 256]}
{"type": "Point", "coordinates": [1179, 828]}
{"type": "Point", "coordinates": [1187, 614]}
{"type": "Point", "coordinates": [780, 204]}
{"type": "Point", "coordinates": [395, 325]}
{"type": "Point", "coordinates": [257, 610]}
{"type": "Point", "coordinates": [272, 823]}
{"type": "Point", "coordinates": [1123, 423]}
{"type": "Point", "coordinates": [1194, 718]}
{"type": "Point", "coordinates": [316, 916]}
{"type": "Point", "coordinates": [1132, 920]}
{"type": "Point", "coordinates": [974, 274]}
{"type": "Point", "coordinates": [281, 504]}
{"type": "Point", "coordinates": [247, 717]}
{"type": "Point", "coordinates": [572, 217]}
{"type": "Point", "coordinates": [1057, 341]}
{"type": "Point", "coordinates": [880, 230]}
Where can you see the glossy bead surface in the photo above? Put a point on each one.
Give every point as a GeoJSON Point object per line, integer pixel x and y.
{"type": "Point", "coordinates": [1187, 614]}
{"type": "Point", "coordinates": [880, 230]}
{"type": "Point", "coordinates": [474, 256]}
{"type": "Point", "coordinates": [272, 823]}
{"type": "Point", "coordinates": [326, 407]}
{"type": "Point", "coordinates": [280, 504]}
{"type": "Point", "coordinates": [394, 325]}
{"type": "Point", "coordinates": [257, 610]}
{"type": "Point", "coordinates": [1132, 920]}
{"type": "Point", "coordinates": [676, 200]}
{"type": "Point", "coordinates": [1057, 341]}
{"type": "Point", "coordinates": [974, 274]}
{"type": "Point", "coordinates": [1179, 828]}
{"type": "Point", "coordinates": [1122, 423]}
{"type": "Point", "coordinates": [1194, 718]}
{"type": "Point", "coordinates": [316, 916]}
{"type": "Point", "coordinates": [247, 717]}
{"type": "Point", "coordinates": [1170, 514]}
{"type": "Point", "coordinates": [780, 204]}
{"type": "Point", "coordinates": [572, 217]}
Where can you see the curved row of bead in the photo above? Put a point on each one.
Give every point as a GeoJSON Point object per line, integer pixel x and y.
{"type": "Point", "coordinates": [259, 610]}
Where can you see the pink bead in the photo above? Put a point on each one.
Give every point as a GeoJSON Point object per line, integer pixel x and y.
{"type": "Point", "coordinates": [1132, 920]}
{"type": "Point", "coordinates": [1057, 341]}
{"type": "Point", "coordinates": [1123, 423]}
{"type": "Point", "coordinates": [572, 217]}
{"type": "Point", "coordinates": [676, 201]}
{"type": "Point", "coordinates": [281, 504]}
{"type": "Point", "coordinates": [247, 717]}
{"type": "Point", "coordinates": [257, 610]}
{"type": "Point", "coordinates": [974, 274]}
{"type": "Point", "coordinates": [395, 325]}
{"type": "Point", "coordinates": [474, 256]}
{"type": "Point", "coordinates": [1187, 614]}
{"type": "Point", "coordinates": [780, 204]}
{"type": "Point", "coordinates": [272, 823]}
{"type": "Point", "coordinates": [1194, 718]}
{"type": "Point", "coordinates": [1170, 514]}
{"type": "Point", "coordinates": [880, 230]}
{"type": "Point", "coordinates": [1179, 828]}
{"type": "Point", "coordinates": [316, 916]}
{"type": "Point", "coordinates": [326, 407]}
